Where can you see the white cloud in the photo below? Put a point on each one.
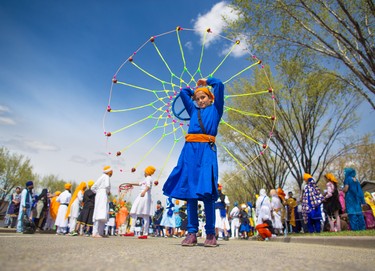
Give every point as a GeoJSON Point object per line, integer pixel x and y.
{"type": "Point", "coordinates": [40, 146]}
{"type": "Point", "coordinates": [3, 109]}
{"type": "Point", "coordinates": [27, 145]}
{"type": "Point", "coordinates": [189, 45]}
{"type": "Point", "coordinates": [214, 20]}
{"type": "Point", "coordinates": [239, 50]}
{"type": "Point", "coordinates": [78, 159]}
{"type": "Point", "coordinates": [7, 121]}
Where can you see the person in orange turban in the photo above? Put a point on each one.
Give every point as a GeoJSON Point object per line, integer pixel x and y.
{"type": "Point", "coordinates": [121, 218]}
{"type": "Point", "coordinates": [331, 202]}
{"type": "Point", "coordinates": [311, 201]}
{"type": "Point", "coordinates": [74, 207]}
{"type": "Point", "coordinates": [142, 204]}
{"type": "Point", "coordinates": [61, 220]}
{"type": "Point", "coordinates": [54, 205]}
{"type": "Point", "coordinates": [102, 189]}
{"type": "Point", "coordinates": [85, 217]}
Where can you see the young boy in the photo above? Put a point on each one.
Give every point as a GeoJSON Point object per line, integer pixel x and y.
{"type": "Point", "coordinates": [265, 229]}
{"type": "Point", "coordinates": [196, 175]}
{"type": "Point", "coordinates": [142, 205]}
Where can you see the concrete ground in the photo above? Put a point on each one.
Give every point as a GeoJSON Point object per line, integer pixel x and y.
{"type": "Point", "coordinates": [51, 252]}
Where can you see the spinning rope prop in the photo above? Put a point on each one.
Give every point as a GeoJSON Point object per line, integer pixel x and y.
{"type": "Point", "coordinates": [124, 190]}
{"type": "Point", "coordinates": [145, 115]}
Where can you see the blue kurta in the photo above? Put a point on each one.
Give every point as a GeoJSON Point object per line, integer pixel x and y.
{"type": "Point", "coordinates": [354, 198]}
{"type": "Point", "coordinates": [196, 173]}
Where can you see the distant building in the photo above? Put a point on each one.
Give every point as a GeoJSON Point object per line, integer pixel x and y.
{"type": "Point", "coordinates": [368, 186]}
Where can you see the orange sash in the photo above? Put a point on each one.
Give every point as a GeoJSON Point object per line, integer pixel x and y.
{"type": "Point", "coordinates": [199, 138]}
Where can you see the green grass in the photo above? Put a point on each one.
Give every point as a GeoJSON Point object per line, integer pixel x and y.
{"type": "Point", "coordinates": [340, 233]}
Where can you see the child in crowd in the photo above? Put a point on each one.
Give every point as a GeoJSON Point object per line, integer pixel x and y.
{"type": "Point", "coordinates": [85, 218]}
{"type": "Point", "coordinates": [168, 221]}
{"type": "Point", "coordinates": [111, 223]}
{"type": "Point", "coordinates": [156, 220]}
{"type": "Point", "coordinates": [244, 218]}
{"type": "Point", "coordinates": [121, 218]}
{"type": "Point", "coordinates": [331, 202]}
{"type": "Point", "coordinates": [196, 175]}
{"type": "Point", "coordinates": [311, 203]}
{"type": "Point", "coordinates": [265, 230]}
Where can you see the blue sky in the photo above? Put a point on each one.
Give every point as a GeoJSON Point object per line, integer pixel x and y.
{"type": "Point", "coordinates": [57, 59]}
{"type": "Point", "coordinates": [57, 62]}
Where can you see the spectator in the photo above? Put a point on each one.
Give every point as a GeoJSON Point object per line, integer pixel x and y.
{"type": "Point", "coordinates": [121, 218]}
{"type": "Point", "coordinates": [234, 221]}
{"type": "Point", "coordinates": [41, 209]}
{"type": "Point", "coordinates": [244, 219]}
{"type": "Point", "coordinates": [25, 205]}
{"type": "Point", "coordinates": [262, 206]}
{"type": "Point", "coordinates": [158, 229]}
{"type": "Point", "coordinates": [276, 207]}
{"type": "Point", "coordinates": [331, 202]}
{"type": "Point", "coordinates": [221, 209]}
{"type": "Point", "coordinates": [311, 203]}
{"type": "Point", "coordinates": [168, 221]}
{"type": "Point", "coordinates": [61, 220]}
{"type": "Point", "coordinates": [13, 208]}
{"type": "Point", "coordinates": [74, 207]}
{"type": "Point", "coordinates": [52, 213]}
{"type": "Point", "coordinates": [370, 201]}
{"type": "Point", "coordinates": [354, 199]}
{"type": "Point", "coordinates": [102, 189]}
{"type": "Point", "coordinates": [86, 216]}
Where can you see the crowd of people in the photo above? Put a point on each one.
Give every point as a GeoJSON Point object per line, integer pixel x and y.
{"type": "Point", "coordinates": [196, 205]}
{"type": "Point", "coordinates": [89, 212]}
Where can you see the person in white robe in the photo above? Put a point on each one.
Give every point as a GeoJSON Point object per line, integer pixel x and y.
{"type": "Point", "coordinates": [74, 208]}
{"type": "Point", "coordinates": [102, 189]}
{"type": "Point", "coordinates": [61, 220]}
{"type": "Point", "coordinates": [221, 214]}
{"type": "Point", "coordinates": [235, 221]}
{"type": "Point", "coordinates": [262, 206]}
{"type": "Point", "coordinates": [142, 205]}
{"type": "Point", "coordinates": [276, 207]}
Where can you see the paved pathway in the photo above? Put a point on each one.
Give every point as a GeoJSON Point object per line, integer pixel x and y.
{"type": "Point", "coordinates": [51, 252]}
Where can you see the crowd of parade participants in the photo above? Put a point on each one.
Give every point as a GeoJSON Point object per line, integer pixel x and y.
{"type": "Point", "coordinates": [88, 211]}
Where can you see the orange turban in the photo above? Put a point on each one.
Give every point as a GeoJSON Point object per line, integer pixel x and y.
{"type": "Point", "coordinates": [306, 177]}
{"type": "Point", "coordinates": [205, 90]}
{"type": "Point", "coordinates": [150, 170]}
{"type": "Point", "coordinates": [331, 177]}
{"type": "Point", "coordinates": [90, 183]}
{"type": "Point", "coordinates": [107, 169]}
{"type": "Point", "coordinates": [68, 186]}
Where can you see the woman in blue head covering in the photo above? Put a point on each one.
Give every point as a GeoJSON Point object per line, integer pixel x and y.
{"type": "Point", "coordinates": [354, 199]}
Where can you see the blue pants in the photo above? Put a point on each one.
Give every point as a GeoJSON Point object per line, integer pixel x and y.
{"type": "Point", "coordinates": [20, 219]}
{"type": "Point", "coordinates": [192, 215]}
{"type": "Point", "coordinates": [357, 222]}
{"type": "Point", "coordinates": [314, 225]}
